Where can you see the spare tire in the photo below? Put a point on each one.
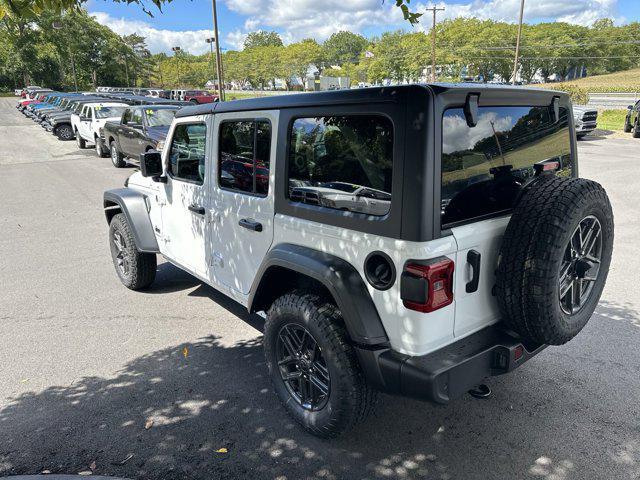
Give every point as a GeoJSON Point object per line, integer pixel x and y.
{"type": "Point", "coordinates": [554, 259]}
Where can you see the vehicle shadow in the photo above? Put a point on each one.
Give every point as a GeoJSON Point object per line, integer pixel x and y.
{"type": "Point", "coordinates": [205, 409]}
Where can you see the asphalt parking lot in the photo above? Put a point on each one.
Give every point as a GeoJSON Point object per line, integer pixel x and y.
{"type": "Point", "coordinates": [171, 383]}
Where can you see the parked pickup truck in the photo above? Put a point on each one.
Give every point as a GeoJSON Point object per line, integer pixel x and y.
{"type": "Point", "coordinates": [586, 120]}
{"type": "Point", "coordinates": [141, 128]}
{"type": "Point", "coordinates": [87, 123]}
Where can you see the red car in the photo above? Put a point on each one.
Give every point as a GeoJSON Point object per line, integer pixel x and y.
{"type": "Point", "coordinates": [200, 96]}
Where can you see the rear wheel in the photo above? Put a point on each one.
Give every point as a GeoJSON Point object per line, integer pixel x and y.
{"type": "Point", "coordinates": [136, 270]}
{"type": "Point", "coordinates": [80, 141]}
{"type": "Point", "coordinates": [194, 101]}
{"type": "Point", "coordinates": [627, 126]}
{"type": "Point", "coordinates": [116, 157]}
{"type": "Point", "coordinates": [313, 367]}
{"type": "Point", "coordinates": [636, 129]}
{"type": "Point", "coordinates": [100, 150]}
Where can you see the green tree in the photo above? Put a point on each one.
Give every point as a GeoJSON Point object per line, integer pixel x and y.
{"type": "Point", "coordinates": [262, 38]}
{"type": "Point", "coordinates": [344, 47]}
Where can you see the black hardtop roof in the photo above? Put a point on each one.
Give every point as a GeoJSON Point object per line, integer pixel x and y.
{"type": "Point", "coordinates": [359, 95]}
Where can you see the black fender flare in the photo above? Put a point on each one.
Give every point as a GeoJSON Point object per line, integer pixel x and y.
{"type": "Point", "coordinates": [134, 206]}
{"type": "Point", "coordinates": [339, 277]}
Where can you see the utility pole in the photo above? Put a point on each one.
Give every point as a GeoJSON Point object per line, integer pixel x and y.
{"type": "Point", "coordinates": [176, 51]}
{"type": "Point", "coordinates": [433, 41]}
{"type": "Point", "coordinates": [218, 58]}
{"type": "Point", "coordinates": [515, 63]}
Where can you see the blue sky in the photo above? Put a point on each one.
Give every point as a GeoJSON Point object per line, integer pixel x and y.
{"type": "Point", "coordinates": [188, 22]}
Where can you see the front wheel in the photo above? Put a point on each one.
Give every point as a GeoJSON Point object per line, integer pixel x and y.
{"type": "Point", "coordinates": [627, 126]}
{"type": "Point", "coordinates": [116, 157]}
{"type": "Point", "coordinates": [635, 132]}
{"type": "Point", "coordinates": [313, 367]}
{"type": "Point", "coordinates": [136, 270]}
{"type": "Point", "coordinates": [64, 132]}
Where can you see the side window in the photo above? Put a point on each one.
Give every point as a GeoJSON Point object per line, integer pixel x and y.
{"type": "Point", "coordinates": [89, 113]}
{"type": "Point", "coordinates": [126, 118]}
{"type": "Point", "coordinates": [136, 117]}
{"type": "Point", "coordinates": [187, 154]}
{"type": "Point", "coordinates": [342, 162]}
{"type": "Point", "coordinates": [244, 151]}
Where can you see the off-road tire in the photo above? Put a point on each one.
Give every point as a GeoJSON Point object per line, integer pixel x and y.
{"type": "Point", "coordinates": [351, 399]}
{"type": "Point", "coordinates": [627, 127]}
{"type": "Point", "coordinates": [116, 157]}
{"type": "Point", "coordinates": [142, 266]}
{"type": "Point", "coordinates": [80, 141]}
{"type": "Point", "coordinates": [101, 152]}
{"type": "Point", "coordinates": [635, 131]}
{"type": "Point", "coordinates": [533, 250]}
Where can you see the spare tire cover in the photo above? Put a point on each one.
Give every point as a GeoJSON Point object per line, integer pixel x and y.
{"type": "Point", "coordinates": [554, 259]}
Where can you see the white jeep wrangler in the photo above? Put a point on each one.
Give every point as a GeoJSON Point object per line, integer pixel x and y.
{"type": "Point", "coordinates": [477, 245]}
{"type": "Point", "coordinates": [86, 125]}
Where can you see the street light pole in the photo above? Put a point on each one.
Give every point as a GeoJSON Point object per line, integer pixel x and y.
{"type": "Point", "coordinates": [218, 58]}
{"type": "Point", "coordinates": [515, 63]}
{"type": "Point", "coordinates": [211, 41]}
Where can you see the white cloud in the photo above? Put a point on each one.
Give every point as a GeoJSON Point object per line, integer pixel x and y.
{"type": "Point", "coordinates": [583, 12]}
{"type": "Point", "coordinates": [298, 19]}
{"type": "Point", "coordinates": [192, 41]}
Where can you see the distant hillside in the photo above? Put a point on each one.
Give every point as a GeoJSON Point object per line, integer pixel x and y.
{"type": "Point", "coordinates": [622, 82]}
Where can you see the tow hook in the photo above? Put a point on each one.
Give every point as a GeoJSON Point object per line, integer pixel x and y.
{"type": "Point", "coordinates": [480, 391]}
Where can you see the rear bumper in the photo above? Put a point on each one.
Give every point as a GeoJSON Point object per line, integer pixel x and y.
{"type": "Point", "coordinates": [451, 371]}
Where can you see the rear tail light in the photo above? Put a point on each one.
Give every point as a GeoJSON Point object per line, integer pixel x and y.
{"type": "Point", "coordinates": [427, 285]}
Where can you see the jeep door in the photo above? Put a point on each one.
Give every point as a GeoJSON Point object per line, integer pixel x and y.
{"type": "Point", "coordinates": [130, 137]}
{"type": "Point", "coordinates": [185, 194]}
{"type": "Point", "coordinates": [243, 196]}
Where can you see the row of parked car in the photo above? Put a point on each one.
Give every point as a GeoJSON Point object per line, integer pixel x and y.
{"type": "Point", "coordinates": [118, 124]}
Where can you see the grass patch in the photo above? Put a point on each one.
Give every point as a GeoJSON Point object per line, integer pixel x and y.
{"type": "Point", "coordinates": [7, 94]}
{"type": "Point", "coordinates": [612, 120]}
{"type": "Point", "coordinates": [627, 81]}
{"type": "Point", "coordinates": [245, 95]}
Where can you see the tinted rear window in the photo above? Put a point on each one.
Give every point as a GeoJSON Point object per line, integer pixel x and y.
{"type": "Point", "coordinates": [342, 162]}
{"type": "Point", "coordinates": [485, 167]}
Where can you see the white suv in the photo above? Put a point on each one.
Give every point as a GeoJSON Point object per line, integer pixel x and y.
{"type": "Point", "coordinates": [477, 247]}
{"type": "Point", "coordinates": [86, 125]}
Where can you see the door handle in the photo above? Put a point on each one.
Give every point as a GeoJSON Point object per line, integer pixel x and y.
{"type": "Point", "coordinates": [197, 209]}
{"type": "Point", "coordinates": [250, 225]}
{"type": "Point", "coordinates": [473, 257]}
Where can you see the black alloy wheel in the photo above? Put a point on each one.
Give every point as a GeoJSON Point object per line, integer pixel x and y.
{"type": "Point", "coordinates": [303, 368]}
{"type": "Point", "coordinates": [580, 265]}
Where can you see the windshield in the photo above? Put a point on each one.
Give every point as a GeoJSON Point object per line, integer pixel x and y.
{"type": "Point", "coordinates": [160, 117]}
{"type": "Point", "coordinates": [107, 112]}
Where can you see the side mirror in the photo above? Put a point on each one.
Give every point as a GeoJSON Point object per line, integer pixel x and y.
{"type": "Point", "coordinates": [151, 164]}
{"type": "Point", "coordinates": [629, 107]}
